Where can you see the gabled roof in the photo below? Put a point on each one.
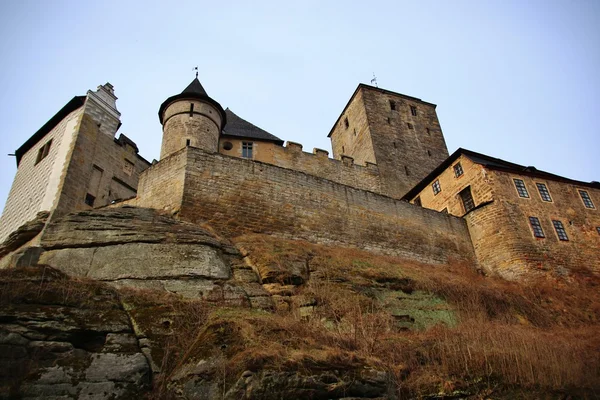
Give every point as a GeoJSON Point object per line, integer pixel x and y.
{"type": "Point", "coordinates": [492, 163]}
{"type": "Point", "coordinates": [193, 91]}
{"type": "Point", "coordinates": [75, 103]}
{"type": "Point", "coordinates": [241, 128]}
{"type": "Point", "coordinates": [373, 88]}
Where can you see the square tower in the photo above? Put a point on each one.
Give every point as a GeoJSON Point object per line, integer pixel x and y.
{"type": "Point", "coordinates": [399, 133]}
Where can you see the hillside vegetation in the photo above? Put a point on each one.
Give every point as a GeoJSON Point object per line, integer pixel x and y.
{"type": "Point", "coordinates": [344, 324]}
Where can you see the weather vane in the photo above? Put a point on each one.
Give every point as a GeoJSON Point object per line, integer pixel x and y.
{"type": "Point", "coordinates": [196, 69]}
{"type": "Point", "coordinates": [374, 80]}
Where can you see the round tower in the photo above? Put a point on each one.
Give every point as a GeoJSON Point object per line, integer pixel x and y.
{"type": "Point", "coordinates": [190, 118]}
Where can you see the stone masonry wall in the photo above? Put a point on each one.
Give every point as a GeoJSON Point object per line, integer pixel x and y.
{"type": "Point", "coordinates": [201, 127]}
{"type": "Point", "coordinates": [161, 186]}
{"type": "Point", "coordinates": [474, 176]}
{"type": "Point", "coordinates": [316, 163]}
{"type": "Point", "coordinates": [35, 186]}
{"type": "Point", "coordinates": [407, 148]}
{"type": "Point", "coordinates": [504, 240]}
{"type": "Point", "coordinates": [354, 138]}
{"type": "Point", "coordinates": [99, 166]}
{"type": "Point", "coordinates": [238, 196]}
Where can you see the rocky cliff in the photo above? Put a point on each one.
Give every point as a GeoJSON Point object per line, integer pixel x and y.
{"type": "Point", "coordinates": [128, 303]}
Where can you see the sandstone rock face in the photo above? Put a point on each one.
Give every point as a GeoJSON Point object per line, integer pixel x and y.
{"type": "Point", "coordinates": [64, 341]}
{"type": "Point", "coordinates": [137, 247]}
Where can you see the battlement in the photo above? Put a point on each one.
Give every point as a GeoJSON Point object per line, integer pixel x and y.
{"type": "Point", "coordinates": [318, 163]}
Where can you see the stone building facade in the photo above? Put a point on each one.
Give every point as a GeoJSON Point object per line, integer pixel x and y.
{"type": "Point", "coordinates": [74, 162]}
{"type": "Point", "coordinates": [388, 151]}
{"type": "Point", "coordinates": [520, 219]}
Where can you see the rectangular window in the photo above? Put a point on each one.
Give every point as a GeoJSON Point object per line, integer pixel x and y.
{"type": "Point", "coordinates": [520, 185]}
{"type": "Point", "coordinates": [544, 193]}
{"type": "Point", "coordinates": [536, 227]}
{"type": "Point", "coordinates": [587, 200]}
{"type": "Point", "coordinates": [346, 123]}
{"type": "Point", "coordinates": [436, 187]}
{"type": "Point", "coordinates": [43, 151]}
{"type": "Point", "coordinates": [458, 171]}
{"type": "Point", "coordinates": [467, 199]}
{"type": "Point", "coordinates": [560, 230]}
{"type": "Point", "coordinates": [410, 126]}
{"type": "Point", "coordinates": [247, 149]}
{"type": "Point", "coordinates": [413, 110]}
{"type": "Point", "coordinates": [598, 229]}
{"type": "Point", "coordinates": [428, 131]}
{"type": "Point", "coordinates": [418, 202]}
{"type": "Point", "coordinates": [392, 105]}
{"type": "Point", "coordinates": [89, 200]}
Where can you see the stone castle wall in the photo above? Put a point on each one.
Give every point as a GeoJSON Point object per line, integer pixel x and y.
{"type": "Point", "coordinates": [36, 186]}
{"type": "Point", "coordinates": [99, 166]}
{"type": "Point", "coordinates": [503, 238]}
{"type": "Point", "coordinates": [237, 196]}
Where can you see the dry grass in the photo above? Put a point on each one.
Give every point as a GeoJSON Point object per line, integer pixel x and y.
{"type": "Point", "coordinates": [539, 335]}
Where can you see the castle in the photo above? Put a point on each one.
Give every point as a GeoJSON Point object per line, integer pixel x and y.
{"type": "Point", "coordinates": [391, 186]}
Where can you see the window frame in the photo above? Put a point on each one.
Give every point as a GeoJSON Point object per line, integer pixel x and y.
{"type": "Point", "coordinates": [464, 202]}
{"type": "Point", "coordinates": [543, 192]}
{"type": "Point", "coordinates": [586, 199]}
{"type": "Point", "coordinates": [43, 152]}
{"type": "Point", "coordinates": [560, 230]}
{"type": "Point", "coordinates": [519, 189]}
{"type": "Point", "coordinates": [536, 227]}
{"type": "Point", "coordinates": [456, 168]}
{"type": "Point", "coordinates": [248, 150]}
{"type": "Point", "coordinates": [437, 187]}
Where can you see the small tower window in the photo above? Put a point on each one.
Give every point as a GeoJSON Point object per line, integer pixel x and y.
{"type": "Point", "coordinates": [406, 170]}
{"type": "Point", "coordinates": [346, 122]}
{"type": "Point", "coordinates": [43, 151]}
{"type": "Point", "coordinates": [413, 111]}
{"type": "Point", "coordinates": [410, 126]}
{"type": "Point", "coordinates": [354, 131]}
{"type": "Point", "coordinates": [188, 142]}
{"type": "Point", "coordinates": [247, 148]}
{"type": "Point", "coordinates": [89, 200]}
{"type": "Point", "coordinates": [428, 131]}
{"type": "Point", "coordinates": [191, 109]}
{"type": "Point", "coordinates": [429, 153]}
{"type": "Point", "coordinates": [392, 105]}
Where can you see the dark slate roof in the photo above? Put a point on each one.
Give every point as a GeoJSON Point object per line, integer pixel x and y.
{"type": "Point", "coordinates": [492, 163]}
{"type": "Point", "coordinates": [241, 128]}
{"type": "Point", "coordinates": [195, 87]}
{"type": "Point", "coordinates": [194, 91]}
{"type": "Point", "coordinates": [71, 106]}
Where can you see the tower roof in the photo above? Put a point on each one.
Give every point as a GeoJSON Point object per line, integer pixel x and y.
{"type": "Point", "coordinates": [195, 87]}
{"type": "Point", "coordinates": [193, 91]}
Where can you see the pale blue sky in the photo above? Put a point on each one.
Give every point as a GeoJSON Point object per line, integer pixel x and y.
{"type": "Point", "coordinates": [518, 80]}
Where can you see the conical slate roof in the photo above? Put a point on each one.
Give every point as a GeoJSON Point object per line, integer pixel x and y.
{"type": "Point", "coordinates": [193, 91]}
{"type": "Point", "coordinates": [195, 87]}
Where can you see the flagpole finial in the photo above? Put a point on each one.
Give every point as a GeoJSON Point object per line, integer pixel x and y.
{"type": "Point", "coordinates": [196, 69]}
{"type": "Point", "coordinates": [374, 80]}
